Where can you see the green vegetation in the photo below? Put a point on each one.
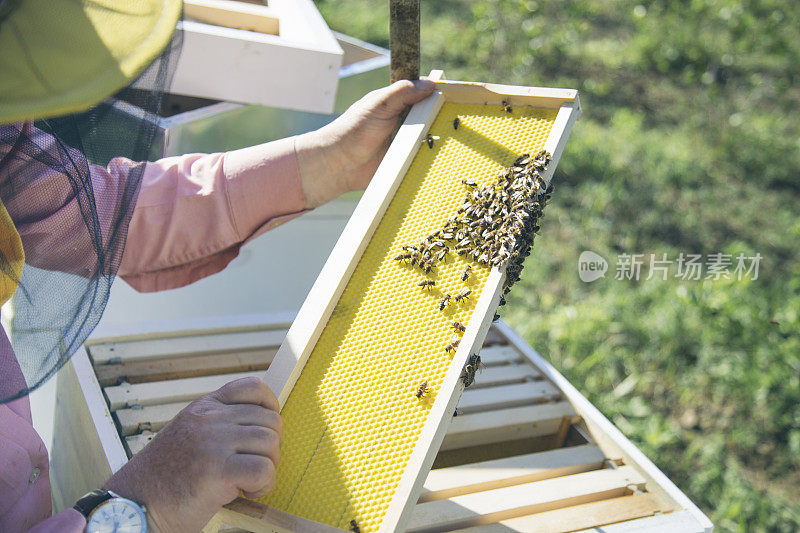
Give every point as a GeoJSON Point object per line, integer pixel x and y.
{"type": "Point", "coordinates": [688, 143]}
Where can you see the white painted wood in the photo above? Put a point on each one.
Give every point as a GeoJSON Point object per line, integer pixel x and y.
{"type": "Point", "coordinates": [322, 298]}
{"type": "Point", "coordinates": [175, 390]}
{"type": "Point", "coordinates": [466, 92]}
{"type": "Point", "coordinates": [499, 355]}
{"type": "Point", "coordinates": [677, 522]}
{"type": "Point", "coordinates": [504, 396]}
{"type": "Point", "coordinates": [191, 345]}
{"type": "Point", "coordinates": [187, 327]}
{"type": "Point", "coordinates": [101, 417]}
{"type": "Point", "coordinates": [507, 502]}
{"type": "Point", "coordinates": [445, 483]}
{"type": "Point", "coordinates": [233, 14]}
{"type": "Point", "coordinates": [605, 433]}
{"type": "Point", "coordinates": [504, 375]}
{"type": "Point", "coordinates": [256, 68]}
{"type": "Point", "coordinates": [505, 424]}
{"type": "Point", "coordinates": [86, 448]}
{"type": "Point", "coordinates": [137, 442]}
{"type": "Point", "coordinates": [155, 416]}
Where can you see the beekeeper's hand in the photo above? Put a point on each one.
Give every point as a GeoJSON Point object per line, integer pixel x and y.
{"type": "Point", "coordinates": [222, 443]}
{"type": "Point", "coordinates": [343, 155]}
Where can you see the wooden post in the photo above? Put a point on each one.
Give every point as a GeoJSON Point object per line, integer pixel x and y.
{"type": "Point", "coordinates": [404, 39]}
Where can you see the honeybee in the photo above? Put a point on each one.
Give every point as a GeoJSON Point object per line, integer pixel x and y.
{"type": "Point", "coordinates": [452, 345]}
{"type": "Point", "coordinates": [467, 272]}
{"type": "Point", "coordinates": [354, 526]}
{"type": "Point", "coordinates": [402, 257]}
{"type": "Point", "coordinates": [469, 182]}
{"type": "Point", "coordinates": [522, 160]}
{"type": "Point", "coordinates": [422, 390]}
{"type": "Point", "coordinates": [444, 301]}
{"type": "Point", "coordinates": [506, 106]}
{"type": "Point", "coordinates": [458, 326]}
{"type": "Point", "coordinates": [429, 139]}
{"type": "Point", "coordinates": [456, 122]}
{"type": "Point", "coordinates": [470, 368]}
{"type": "Point", "coordinates": [426, 283]}
{"type": "Point", "coordinates": [496, 317]}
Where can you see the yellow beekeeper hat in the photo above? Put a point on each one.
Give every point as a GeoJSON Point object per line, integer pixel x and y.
{"type": "Point", "coordinates": [64, 56]}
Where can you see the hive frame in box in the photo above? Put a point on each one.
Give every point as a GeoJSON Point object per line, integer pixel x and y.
{"type": "Point", "coordinates": [297, 69]}
{"type": "Point", "coordinates": [316, 310]}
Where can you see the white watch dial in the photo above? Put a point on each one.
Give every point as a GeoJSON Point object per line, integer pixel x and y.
{"type": "Point", "coordinates": [117, 515]}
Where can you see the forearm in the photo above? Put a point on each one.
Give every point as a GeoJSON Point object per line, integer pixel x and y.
{"type": "Point", "coordinates": [196, 210]}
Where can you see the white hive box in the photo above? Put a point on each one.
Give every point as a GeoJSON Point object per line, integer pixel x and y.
{"type": "Point", "coordinates": [527, 452]}
{"type": "Point", "coordinates": [296, 69]}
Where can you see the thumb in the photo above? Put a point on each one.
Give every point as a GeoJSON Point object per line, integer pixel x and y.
{"type": "Point", "coordinates": [394, 98]}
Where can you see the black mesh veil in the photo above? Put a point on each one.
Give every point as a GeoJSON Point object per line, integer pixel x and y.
{"type": "Point", "coordinates": [70, 185]}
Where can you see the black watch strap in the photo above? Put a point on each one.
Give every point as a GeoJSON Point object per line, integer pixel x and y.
{"type": "Point", "coordinates": [90, 501]}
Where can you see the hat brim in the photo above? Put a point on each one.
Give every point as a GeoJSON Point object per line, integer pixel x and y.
{"type": "Point", "coordinates": [64, 57]}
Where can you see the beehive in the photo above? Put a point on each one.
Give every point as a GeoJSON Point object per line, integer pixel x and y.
{"type": "Point", "coordinates": [352, 419]}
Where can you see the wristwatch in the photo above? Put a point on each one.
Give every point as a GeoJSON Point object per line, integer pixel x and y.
{"type": "Point", "coordinates": [107, 512]}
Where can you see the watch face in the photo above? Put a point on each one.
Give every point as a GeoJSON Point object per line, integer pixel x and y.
{"type": "Point", "coordinates": [117, 516]}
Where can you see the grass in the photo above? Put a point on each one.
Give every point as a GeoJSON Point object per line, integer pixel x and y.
{"type": "Point", "coordinates": [689, 143]}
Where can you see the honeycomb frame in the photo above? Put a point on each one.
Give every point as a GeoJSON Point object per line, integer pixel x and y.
{"type": "Point", "coordinates": [563, 109]}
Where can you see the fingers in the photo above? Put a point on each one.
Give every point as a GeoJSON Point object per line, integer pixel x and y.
{"type": "Point", "coordinates": [254, 415]}
{"type": "Point", "coordinates": [394, 98]}
{"type": "Point", "coordinates": [253, 474]}
{"type": "Point", "coordinates": [247, 390]}
{"type": "Point", "coordinates": [258, 440]}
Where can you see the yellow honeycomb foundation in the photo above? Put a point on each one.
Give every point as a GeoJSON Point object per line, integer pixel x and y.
{"type": "Point", "coordinates": [352, 419]}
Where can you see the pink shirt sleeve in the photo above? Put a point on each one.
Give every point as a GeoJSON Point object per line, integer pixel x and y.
{"type": "Point", "coordinates": [195, 211]}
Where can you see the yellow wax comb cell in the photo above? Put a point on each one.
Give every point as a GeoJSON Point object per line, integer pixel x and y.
{"type": "Point", "coordinates": [354, 415]}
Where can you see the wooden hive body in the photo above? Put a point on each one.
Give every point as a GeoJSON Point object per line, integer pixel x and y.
{"type": "Point", "coordinates": [527, 453]}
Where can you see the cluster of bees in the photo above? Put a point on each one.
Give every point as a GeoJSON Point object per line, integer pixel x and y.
{"type": "Point", "coordinates": [494, 226]}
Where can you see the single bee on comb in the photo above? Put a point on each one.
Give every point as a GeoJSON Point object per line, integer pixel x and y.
{"type": "Point", "coordinates": [458, 326]}
{"type": "Point", "coordinates": [422, 390]}
{"type": "Point", "coordinates": [506, 106]}
{"type": "Point", "coordinates": [429, 139]}
{"type": "Point", "coordinates": [461, 295]}
{"type": "Point", "coordinates": [354, 526]}
{"type": "Point", "coordinates": [456, 122]}
{"type": "Point", "coordinates": [426, 283]}
{"type": "Point", "coordinates": [443, 303]}
{"type": "Point", "coordinates": [452, 345]}
{"type": "Point", "coordinates": [466, 274]}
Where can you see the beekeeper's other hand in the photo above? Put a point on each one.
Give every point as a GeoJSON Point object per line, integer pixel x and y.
{"type": "Point", "coordinates": [220, 444]}
{"type": "Point", "coordinates": [343, 155]}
